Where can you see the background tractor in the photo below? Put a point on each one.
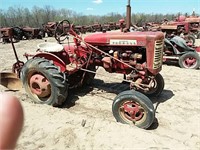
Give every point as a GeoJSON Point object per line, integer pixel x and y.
{"type": "Point", "coordinates": [177, 50]}
{"type": "Point", "coordinates": [185, 27]}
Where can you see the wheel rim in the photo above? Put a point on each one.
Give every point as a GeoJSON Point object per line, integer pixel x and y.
{"type": "Point", "coordinates": [39, 86]}
{"type": "Point", "coordinates": [189, 62]}
{"type": "Point", "coordinates": [153, 85]}
{"type": "Point", "coordinates": [132, 112]}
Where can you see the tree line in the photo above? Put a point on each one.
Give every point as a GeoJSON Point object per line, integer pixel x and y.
{"type": "Point", "coordinates": [19, 16]}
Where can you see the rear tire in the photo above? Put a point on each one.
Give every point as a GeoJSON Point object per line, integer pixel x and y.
{"type": "Point", "coordinates": [132, 107]}
{"type": "Point", "coordinates": [190, 60]}
{"type": "Point", "coordinates": [55, 92]}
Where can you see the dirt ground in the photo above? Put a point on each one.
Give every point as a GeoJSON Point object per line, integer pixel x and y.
{"type": "Point", "coordinates": [177, 123]}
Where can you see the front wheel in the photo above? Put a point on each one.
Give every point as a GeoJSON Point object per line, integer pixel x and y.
{"type": "Point", "coordinates": [44, 82]}
{"type": "Point", "coordinates": [190, 60]}
{"type": "Point", "coordinates": [132, 107]}
{"type": "Point", "coordinates": [156, 85]}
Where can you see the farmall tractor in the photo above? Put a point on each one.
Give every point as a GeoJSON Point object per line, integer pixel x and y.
{"type": "Point", "coordinates": [178, 51]}
{"type": "Point", "coordinates": [55, 69]}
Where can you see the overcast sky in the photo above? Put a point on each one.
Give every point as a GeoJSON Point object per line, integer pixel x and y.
{"type": "Point", "coordinates": [102, 7]}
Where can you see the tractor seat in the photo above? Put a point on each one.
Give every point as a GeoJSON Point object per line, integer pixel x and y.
{"type": "Point", "coordinates": [50, 47]}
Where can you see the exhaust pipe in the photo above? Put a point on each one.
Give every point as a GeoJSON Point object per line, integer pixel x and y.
{"type": "Point", "coordinates": [128, 15]}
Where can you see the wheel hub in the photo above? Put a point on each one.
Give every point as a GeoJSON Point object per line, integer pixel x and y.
{"type": "Point", "coordinates": [133, 111]}
{"type": "Point", "coordinates": [190, 61]}
{"type": "Point", "coordinates": [40, 85]}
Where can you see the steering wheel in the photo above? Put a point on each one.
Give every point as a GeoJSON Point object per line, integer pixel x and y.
{"type": "Point", "coordinates": [62, 30]}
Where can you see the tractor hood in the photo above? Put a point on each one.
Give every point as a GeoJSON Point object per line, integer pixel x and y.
{"type": "Point", "coordinates": [120, 38]}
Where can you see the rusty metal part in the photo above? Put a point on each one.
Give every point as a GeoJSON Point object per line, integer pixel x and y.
{"type": "Point", "coordinates": [132, 111]}
{"type": "Point", "coordinates": [104, 53]}
{"type": "Point", "coordinates": [19, 64]}
{"type": "Point", "coordinates": [188, 62]}
{"type": "Point", "coordinates": [10, 81]}
{"type": "Point", "coordinates": [40, 85]}
{"type": "Point", "coordinates": [8, 75]}
{"type": "Point", "coordinates": [6, 34]}
{"type": "Point", "coordinates": [128, 15]}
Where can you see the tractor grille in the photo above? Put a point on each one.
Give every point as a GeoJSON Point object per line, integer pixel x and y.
{"type": "Point", "coordinates": [158, 54]}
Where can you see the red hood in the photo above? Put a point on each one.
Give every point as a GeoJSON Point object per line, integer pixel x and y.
{"type": "Point", "coordinates": [121, 38]}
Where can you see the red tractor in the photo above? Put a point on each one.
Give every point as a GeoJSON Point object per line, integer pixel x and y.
{"type": "Point", "coordinates": [32, 33]}
{"type": "Point", "coordinates": [177, 50]}
{"type": "Point", "coordinates": [49, 28]}
{"type": "Point", "coordinates": [53, 70]}
{"type": "Point", "coordinates": [187, 28]}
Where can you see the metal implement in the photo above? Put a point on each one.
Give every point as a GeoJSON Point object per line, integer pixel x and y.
{"type": "Point", "coordinates": [10, 81]}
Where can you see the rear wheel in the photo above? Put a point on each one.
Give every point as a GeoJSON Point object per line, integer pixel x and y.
{"type": "Point", "coordinates": [44, 82]}
{"type": "Point", "coordinates": [190, 60]}
{"type": "Point", "coordinates": [132, 107]}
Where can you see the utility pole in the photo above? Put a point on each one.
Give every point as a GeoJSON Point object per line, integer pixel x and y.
{"type": "Point", "coordinates": [128, 15]}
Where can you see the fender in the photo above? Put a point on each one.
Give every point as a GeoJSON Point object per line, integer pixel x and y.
{"type": "Point", "coordinates": [56, 60]}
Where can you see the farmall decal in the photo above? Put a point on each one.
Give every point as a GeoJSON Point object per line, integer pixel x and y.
{"type": "Point", "coordinates": [123, 42]}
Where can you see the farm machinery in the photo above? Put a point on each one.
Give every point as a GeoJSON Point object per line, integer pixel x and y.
{"type": "Point", "coordinates": [32, 33]}
{"type": "Point", "coordinates": [49, 29]}
{"type": "Point", "coordinates": [54, 69]}
{"type": "Point", "coordinates": [177, 50]}
{"type": "Point", "coordinates": [6, 33]}
{"type": "Point", "coordinates": [19, 33]}
{"type": "Point", "coordinates": [187, 28]}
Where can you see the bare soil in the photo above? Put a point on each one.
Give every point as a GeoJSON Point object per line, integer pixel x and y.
{"type": "Point", "coordinates": [87, 121]}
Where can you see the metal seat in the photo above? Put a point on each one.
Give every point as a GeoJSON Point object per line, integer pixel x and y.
{"type": "Point", "coordinates": [50, 47]}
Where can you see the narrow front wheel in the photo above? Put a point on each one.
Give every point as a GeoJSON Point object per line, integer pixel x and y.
{"type": "Point", "coordinates": [132, 107]}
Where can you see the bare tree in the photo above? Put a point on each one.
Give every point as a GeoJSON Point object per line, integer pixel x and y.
{"type": "Point", "coordinates": [37, 16]}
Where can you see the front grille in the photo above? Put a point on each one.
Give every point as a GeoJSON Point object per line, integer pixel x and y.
{"type": "Point", "coordinates": [158, 54]}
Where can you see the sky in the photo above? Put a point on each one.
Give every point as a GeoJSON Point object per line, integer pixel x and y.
{"type": "Point", "coordinates": [103, 7]}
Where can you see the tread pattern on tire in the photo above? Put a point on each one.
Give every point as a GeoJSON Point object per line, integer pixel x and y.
{"type": "Point", "coordinates": [142, 99]}
{"type": "Point", "coordinates": [191, 54]}
{"type": "Point", "coordinates": [59, 86]}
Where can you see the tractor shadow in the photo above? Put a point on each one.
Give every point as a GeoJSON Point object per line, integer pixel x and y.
{"type": "Point", "coordinates": [73, 95]}
{"type": "Point", "coordinates": [171, 63]}
{"type": "Point", "coordinates": [115, 88]}
{"type": "Point", "coordinates": [163, 97]}
{"type": "Point", "coordinates": [97, 85]}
